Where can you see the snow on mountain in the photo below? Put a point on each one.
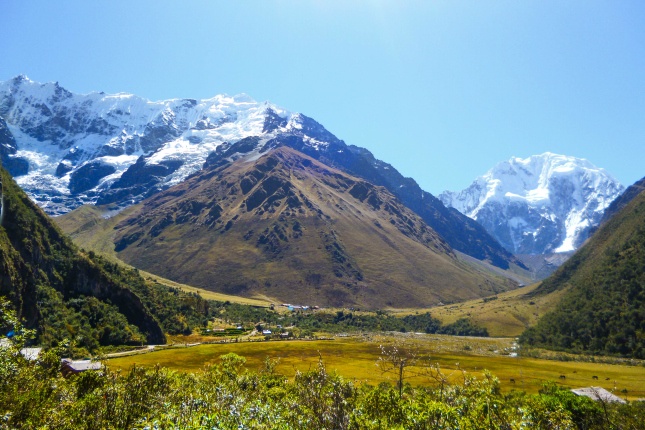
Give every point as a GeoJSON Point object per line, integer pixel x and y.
{"type": "Point", "coordinates": [538, 205]}
{"type": "Point", "coordinates": [67, 149]}
{"type": "Point", "coordinates": [71, 148]}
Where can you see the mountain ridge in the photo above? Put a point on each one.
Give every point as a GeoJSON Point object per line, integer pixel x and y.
{"type": "Point", "coordinates": [71, 150]}
{"type": "Point", "coordinates": [623, 200]}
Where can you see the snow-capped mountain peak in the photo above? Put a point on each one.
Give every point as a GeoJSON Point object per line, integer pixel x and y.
{"type": "Point", "coordinates": [68, 148]}
{"type": "Point", "coordinates": [540, 204]}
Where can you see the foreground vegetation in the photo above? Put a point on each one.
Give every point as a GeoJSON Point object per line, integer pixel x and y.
{"type": "Point", "coordinates": [224, 396]}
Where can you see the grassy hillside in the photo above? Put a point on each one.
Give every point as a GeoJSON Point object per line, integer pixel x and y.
{"type": "Point", "coordinates": [603, 308]}
{"type": "Point", "coordinates": [65, 293]}
{"type": "Point", "coordinates": [92, 227]}
{"type": "Point", "coordinates": [287, 228]}
{"type": "Point", "coordinates": [504, 314]}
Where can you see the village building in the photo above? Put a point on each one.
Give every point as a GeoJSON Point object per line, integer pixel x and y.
{"type": "Point", "coordinates": [72, 367]}
{"type": "Point", "coordinates": [598, 394]}
{"type": "Point", "coordinates": [29, 353]}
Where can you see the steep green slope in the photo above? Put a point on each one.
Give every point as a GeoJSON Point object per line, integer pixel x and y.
{"type": "Point", "coordinates": [64, 293]}
{"type": "Point", "coordinates": [603, 308]}
{"type": "Point", "coordinates": [627, 196]}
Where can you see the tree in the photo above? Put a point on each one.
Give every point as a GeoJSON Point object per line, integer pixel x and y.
{"type": "Point", "coordinates": [396, 359]}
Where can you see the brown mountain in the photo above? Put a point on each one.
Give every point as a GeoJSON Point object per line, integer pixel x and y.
{"type": "Point", "coordinates": [288, 227]}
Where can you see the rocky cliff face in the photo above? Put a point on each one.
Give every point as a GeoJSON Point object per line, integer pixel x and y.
{"type": "Point", "coordinates": [543, 204]}
{"type": "Point", "coordinates": [72, 149]}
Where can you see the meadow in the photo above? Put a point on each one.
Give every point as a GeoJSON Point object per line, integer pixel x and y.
{"type": "Point", "coordinates": [356, 358]}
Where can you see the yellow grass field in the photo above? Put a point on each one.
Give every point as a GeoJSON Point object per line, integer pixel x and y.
{"type": "Point", "coordinates": [356, 358]}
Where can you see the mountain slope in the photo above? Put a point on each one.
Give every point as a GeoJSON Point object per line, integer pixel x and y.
{"type": "Point", "coordinates": [603, 307]}
{"type": "Point", "coordinates": [539, 205]}
{"type": "Point", "coordinates": [72, 149]}
{"type": "Point", "coordinates": [288, 227]}
{"type": "Point", "coordinates": [623, 200]}
{"type": "Point", "coordinates": [461, 232]}
{"type": "Point", "coordinates": [46, 278]}
{"type": "Point", "coordinates": [65, 293]}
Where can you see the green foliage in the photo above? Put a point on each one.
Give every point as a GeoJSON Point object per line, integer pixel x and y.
{"type": "Point", "coordinates": [225, 396]}
{"type": "Point", "coordinates": [463, 327]}
{"type": "Point", "coordinates": [10, 323]}
{"type": "Point", "coordinates": [603, 312]}
{"type": "Point", "coordinates": [342, 321]}
{"type": "Point", "coordinates": [88, 321]}
{"type": "Point", "coordinates": [176, 311]}
{"type": "Point", "coordinates": [585, 413]}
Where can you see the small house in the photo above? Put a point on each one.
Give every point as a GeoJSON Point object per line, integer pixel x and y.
{"type": "Point", "coordinates": [598, 394]}
{"type": "Point", "coordinates": [73, 367]}
{"type": "Point", "coordinates": [31, 354]}
{"type": "Point", "coordinates": [266, 332]}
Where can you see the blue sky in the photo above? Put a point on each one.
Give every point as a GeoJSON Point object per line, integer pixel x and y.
{"type": "Point", "coordinates": [442, 90]}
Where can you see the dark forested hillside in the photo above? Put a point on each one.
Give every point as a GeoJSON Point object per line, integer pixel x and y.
{"type": "Point", "coordinates": [65, 293]}
{"type": "Point", "coordinates": [603, 311]}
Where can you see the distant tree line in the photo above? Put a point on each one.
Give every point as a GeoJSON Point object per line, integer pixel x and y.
{"type": "Point", "coordinates": [345, 321]}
